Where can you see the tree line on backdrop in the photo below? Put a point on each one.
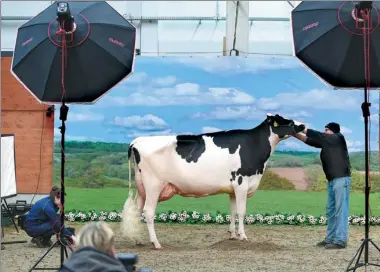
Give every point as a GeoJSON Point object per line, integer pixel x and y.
{"type": "Point", "coordinates": [100, 164]}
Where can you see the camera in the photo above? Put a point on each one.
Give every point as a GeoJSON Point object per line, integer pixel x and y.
{"type": "Point", "coordinates": [129, 261]}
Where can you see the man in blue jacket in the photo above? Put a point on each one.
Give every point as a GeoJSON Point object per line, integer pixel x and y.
{"type": "Point", "coordinates": [43, 221]}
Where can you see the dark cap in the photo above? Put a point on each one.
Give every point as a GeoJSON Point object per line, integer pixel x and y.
{"type": "Point", "coordinates": [334, 127]}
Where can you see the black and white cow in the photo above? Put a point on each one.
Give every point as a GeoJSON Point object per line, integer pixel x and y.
{"type": "Point", "coordinates": [230, 162]}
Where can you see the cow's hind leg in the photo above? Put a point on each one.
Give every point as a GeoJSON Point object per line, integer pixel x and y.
{"type": "Point", "coordinates": [241, 206]}
{"type": "Point", "coordinates": [152, 192]}
{"type": "Point", "coordinates": [232, 229]}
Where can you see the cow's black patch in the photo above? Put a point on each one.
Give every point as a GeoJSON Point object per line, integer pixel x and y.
{"type": "Point", "coordinates": [240, 180]}
{"type": "Point", "coordinates": [130, 151]}
{"type": "Point", "coordinates": [254, 144]}
{"type": "Point", "coordinates": [190, 147]}
{"type": "Point", "coordinates": [254, 147]}
{"type": "Point", "coordinates": [135, 153]}
{"type": "Point", "coordinates": [233, 175]}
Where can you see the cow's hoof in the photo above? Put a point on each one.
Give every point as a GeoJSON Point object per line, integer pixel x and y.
{"type": "Point", "coordinates": [233, 236]}
{"type": "Point", "coordinates": [157, 246]}
{"type": "Point", "coordinates": [243, 238]}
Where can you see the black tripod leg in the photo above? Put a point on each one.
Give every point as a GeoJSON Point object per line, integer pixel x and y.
{"type": "Point", "coordinates": [43, 256]}
{"type": "Point", "coordinates": [10, 215]}
{"type": "Point", "coordinates": [358, 254]}
{"type": "Point", "coordinates": [67, 256]}
{"type": "Point", "coordinates": [375, 245]}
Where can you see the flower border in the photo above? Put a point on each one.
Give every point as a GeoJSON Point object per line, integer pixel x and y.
{"type": "Point", "coordinates": [194, 217]}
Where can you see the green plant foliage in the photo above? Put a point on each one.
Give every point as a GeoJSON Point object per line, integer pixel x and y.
{"type": "Point", "coordinates": [272, 181]}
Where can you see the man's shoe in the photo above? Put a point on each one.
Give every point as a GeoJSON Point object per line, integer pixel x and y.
{"type": "Point", "coordinates": [322, 244]}
{"type": "Point", "coordinates": [34, 240]}
{"type": "Point", "coordinates": [46, 242]}
{"type": "Point", "coordinates": [334, 246]}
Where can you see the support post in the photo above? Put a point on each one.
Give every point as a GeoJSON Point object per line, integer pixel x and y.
{"type": "Point", "coordinates": [237, 24]}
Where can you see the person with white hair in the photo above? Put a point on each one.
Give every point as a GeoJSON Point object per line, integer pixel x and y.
{"type": "Point", "coordinates": [94, 250]}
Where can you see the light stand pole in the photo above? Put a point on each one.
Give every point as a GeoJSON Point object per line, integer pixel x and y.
{"type": "Point", "coordinates": [63, 117]}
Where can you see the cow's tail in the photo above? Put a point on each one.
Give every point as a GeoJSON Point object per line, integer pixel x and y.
{"type": "Point", "coordinates": [131, 225]}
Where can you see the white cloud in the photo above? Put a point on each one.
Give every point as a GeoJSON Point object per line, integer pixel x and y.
{"type": "Point", "coordinates": [237, 65]}
{"type": "Point", "coordinates": [345, 130]}
{"type": "Point", "coordinates": [246, 113]}
{"type": "Point", "coordinates": [146, 122]}
{"type": "Point", "coordinates": [315, 98]}
{"type": "Point", "coordinates": [232, 113]}
{"type": "Point", "coordinates": [166, 132]}
{"type": "Point", "coordinates": [183, 94]}
{"type": "Point", "coordinates": [88, 116]}
{"type": "Point", "coordinates": [136, 133]}
{"type": "Point", "coordinates": [210, 129]}
{"type": "Point", "coordinates": [165, 81]}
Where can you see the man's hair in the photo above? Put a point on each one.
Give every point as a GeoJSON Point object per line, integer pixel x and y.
{"type": "Point", "coordinates": [97, 235]}
{"type": "Point", "coordinates": [55, 192]}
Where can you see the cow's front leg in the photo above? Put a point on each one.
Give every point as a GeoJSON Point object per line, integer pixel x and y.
{"type": "Point", "coordinates": [232, 229]}
{"type": "Point", "coordinates": [152, 194]}
{"type": "Point", "coordinates": [241, 204]}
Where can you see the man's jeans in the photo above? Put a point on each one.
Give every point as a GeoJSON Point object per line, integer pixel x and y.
{"type": "Point", "coordinates": [337, 210]}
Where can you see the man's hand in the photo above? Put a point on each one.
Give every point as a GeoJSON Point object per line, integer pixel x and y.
{"type": "Point", "coordinates": [74, 239]}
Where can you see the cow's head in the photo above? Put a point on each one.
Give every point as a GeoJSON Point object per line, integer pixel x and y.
{"type": "Point", "coordinates": [282, 126]}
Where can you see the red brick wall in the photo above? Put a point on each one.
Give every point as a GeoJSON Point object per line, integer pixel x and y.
{"type": "Point", "coordinates": [25, 117]}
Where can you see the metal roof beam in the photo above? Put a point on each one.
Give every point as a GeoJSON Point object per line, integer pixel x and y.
{"type": "Point", "coordinates": [166, 18]}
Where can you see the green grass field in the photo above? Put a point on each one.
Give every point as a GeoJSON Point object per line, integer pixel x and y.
{"type": "Point", "coordinates": [312, 203]}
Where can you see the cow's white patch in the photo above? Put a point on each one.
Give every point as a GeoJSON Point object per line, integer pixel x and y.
{"type": "Point", "coordinates": [273, 140]}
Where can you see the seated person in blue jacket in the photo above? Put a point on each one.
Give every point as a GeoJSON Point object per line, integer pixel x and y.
{"type": "Point", "coordinates": [43, 221]}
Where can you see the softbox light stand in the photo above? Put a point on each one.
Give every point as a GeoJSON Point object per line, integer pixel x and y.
{"type": "Point", "coordinates": [366, 241]}
{"type": "Point", "coordinates": [108, 62]}
{"type": "Point", "coordinates": [66, 22]}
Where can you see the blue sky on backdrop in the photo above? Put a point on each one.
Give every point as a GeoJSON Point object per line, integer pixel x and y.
{"type": "Point", "coordinates": [174, 95]}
